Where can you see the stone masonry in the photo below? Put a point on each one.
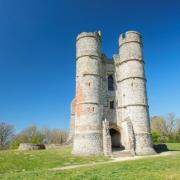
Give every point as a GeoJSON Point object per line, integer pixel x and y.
{"type": "Point", "coordinates": [110, 109]}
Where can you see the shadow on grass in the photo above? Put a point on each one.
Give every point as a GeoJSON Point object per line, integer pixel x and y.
{"type": "Point", "coordinates": [159, 148]}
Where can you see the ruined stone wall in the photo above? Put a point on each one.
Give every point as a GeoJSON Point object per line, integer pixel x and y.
{"type": "Point", "coordinates": [106, 95]}
{"type": "Point", "coordinates": [106, 138]}
{"type": "Point", "coordinates": [72, 122]}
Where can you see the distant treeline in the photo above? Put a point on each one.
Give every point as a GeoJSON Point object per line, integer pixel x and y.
{"type": "Point", "coordinates": [32, 134]}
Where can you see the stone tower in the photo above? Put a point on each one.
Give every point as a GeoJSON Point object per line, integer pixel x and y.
{"type": "Point", "coordinates": [88, 113]}
{"type": "Point", "coordinates": [110, 109]}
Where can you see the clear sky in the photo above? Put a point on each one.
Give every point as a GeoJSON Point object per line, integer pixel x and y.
{"type": "Point", "coordinates": [37, 53]}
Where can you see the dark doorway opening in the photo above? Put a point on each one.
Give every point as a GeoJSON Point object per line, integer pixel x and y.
{"type": "Point", "coordinates": [116, 140]}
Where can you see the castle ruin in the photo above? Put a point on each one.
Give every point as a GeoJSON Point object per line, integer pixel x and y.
{"type": "Point", "coordinates": [110, 109]}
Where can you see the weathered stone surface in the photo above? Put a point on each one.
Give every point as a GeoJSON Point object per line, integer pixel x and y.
{"type": "Point", "coordinates": [107, 150]}
{"type": "Point", "coordinates": [124, 105]}
{"type": "Point", "coordinates": [28, 146]}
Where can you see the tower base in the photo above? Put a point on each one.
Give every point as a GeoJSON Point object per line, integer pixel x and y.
{"type": "Point", "coordinates": [87, 144]}
{"type": "Point", "coordinates": [145, 151]}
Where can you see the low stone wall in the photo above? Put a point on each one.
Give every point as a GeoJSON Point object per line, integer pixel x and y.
{"type": "Point", "coordinates": [107, 149]}
{"type": "Point", "coordinates": [28, 146]}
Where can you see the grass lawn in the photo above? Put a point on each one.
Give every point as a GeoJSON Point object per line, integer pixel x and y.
{"type": "Point", "coordinates": [36, 165]}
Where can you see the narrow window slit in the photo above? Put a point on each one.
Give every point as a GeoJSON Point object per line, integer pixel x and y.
{"type": "Point", "coordinates": [110, 83]}
{"type": "Point", "coordinates": [111, 104]}
{"type": "Point", "coordinates": [93, 109]}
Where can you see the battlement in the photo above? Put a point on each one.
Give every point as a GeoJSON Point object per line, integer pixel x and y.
{"type": "Point", "coordinates": [130, 36]}
{"type": "Point", "coordinates": [96, 35]}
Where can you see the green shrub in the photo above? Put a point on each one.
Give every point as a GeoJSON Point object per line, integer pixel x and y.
{"type": "Point", "coordinates": [15, 144]}
{"type": "Point", "coordinates": [155, 137]}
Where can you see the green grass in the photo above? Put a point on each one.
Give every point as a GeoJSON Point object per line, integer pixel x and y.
{"type": "Point", "coordinates": [36, 165]}
{"type": "Point", "coordinates": [173, 146]}
{"type": "Point", "coordinates": [14, 161]}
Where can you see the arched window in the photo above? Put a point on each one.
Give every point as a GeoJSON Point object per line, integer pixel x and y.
{"type": "Point", "coordinates": [110, 83]}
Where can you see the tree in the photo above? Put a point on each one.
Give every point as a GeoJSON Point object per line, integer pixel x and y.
{"type": "Point", "coordinates": [165, 129]}
{"type": "Point", "coordinates": [54, 136]}
{"type": "Point", "coordinates": [178, 126]}
{"type": "Point", "coordinates": [178, 131]}
{"type": "Point", "coordinates": [158, 125]}
{"type": "Point", "coordinates": [29, 135]}
{"type": "Point", "coordinates": [171, 123]}
{"type": "Point", "coordinates": [6, 134]}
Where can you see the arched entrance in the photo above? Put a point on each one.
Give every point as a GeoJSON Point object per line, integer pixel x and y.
{"type": "Point", "coordinates": [115, 139]}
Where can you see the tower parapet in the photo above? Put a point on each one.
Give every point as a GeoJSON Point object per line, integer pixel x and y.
{"type": "Point", "coordinates": [88, 44]}
{"type": "Point", "coordinates": [131, 46]}
{"type": "Point", "coordinates": [130, 36]}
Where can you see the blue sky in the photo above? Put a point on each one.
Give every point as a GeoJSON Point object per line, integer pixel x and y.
{"type": "Point", "coordinates": [37, 53]}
